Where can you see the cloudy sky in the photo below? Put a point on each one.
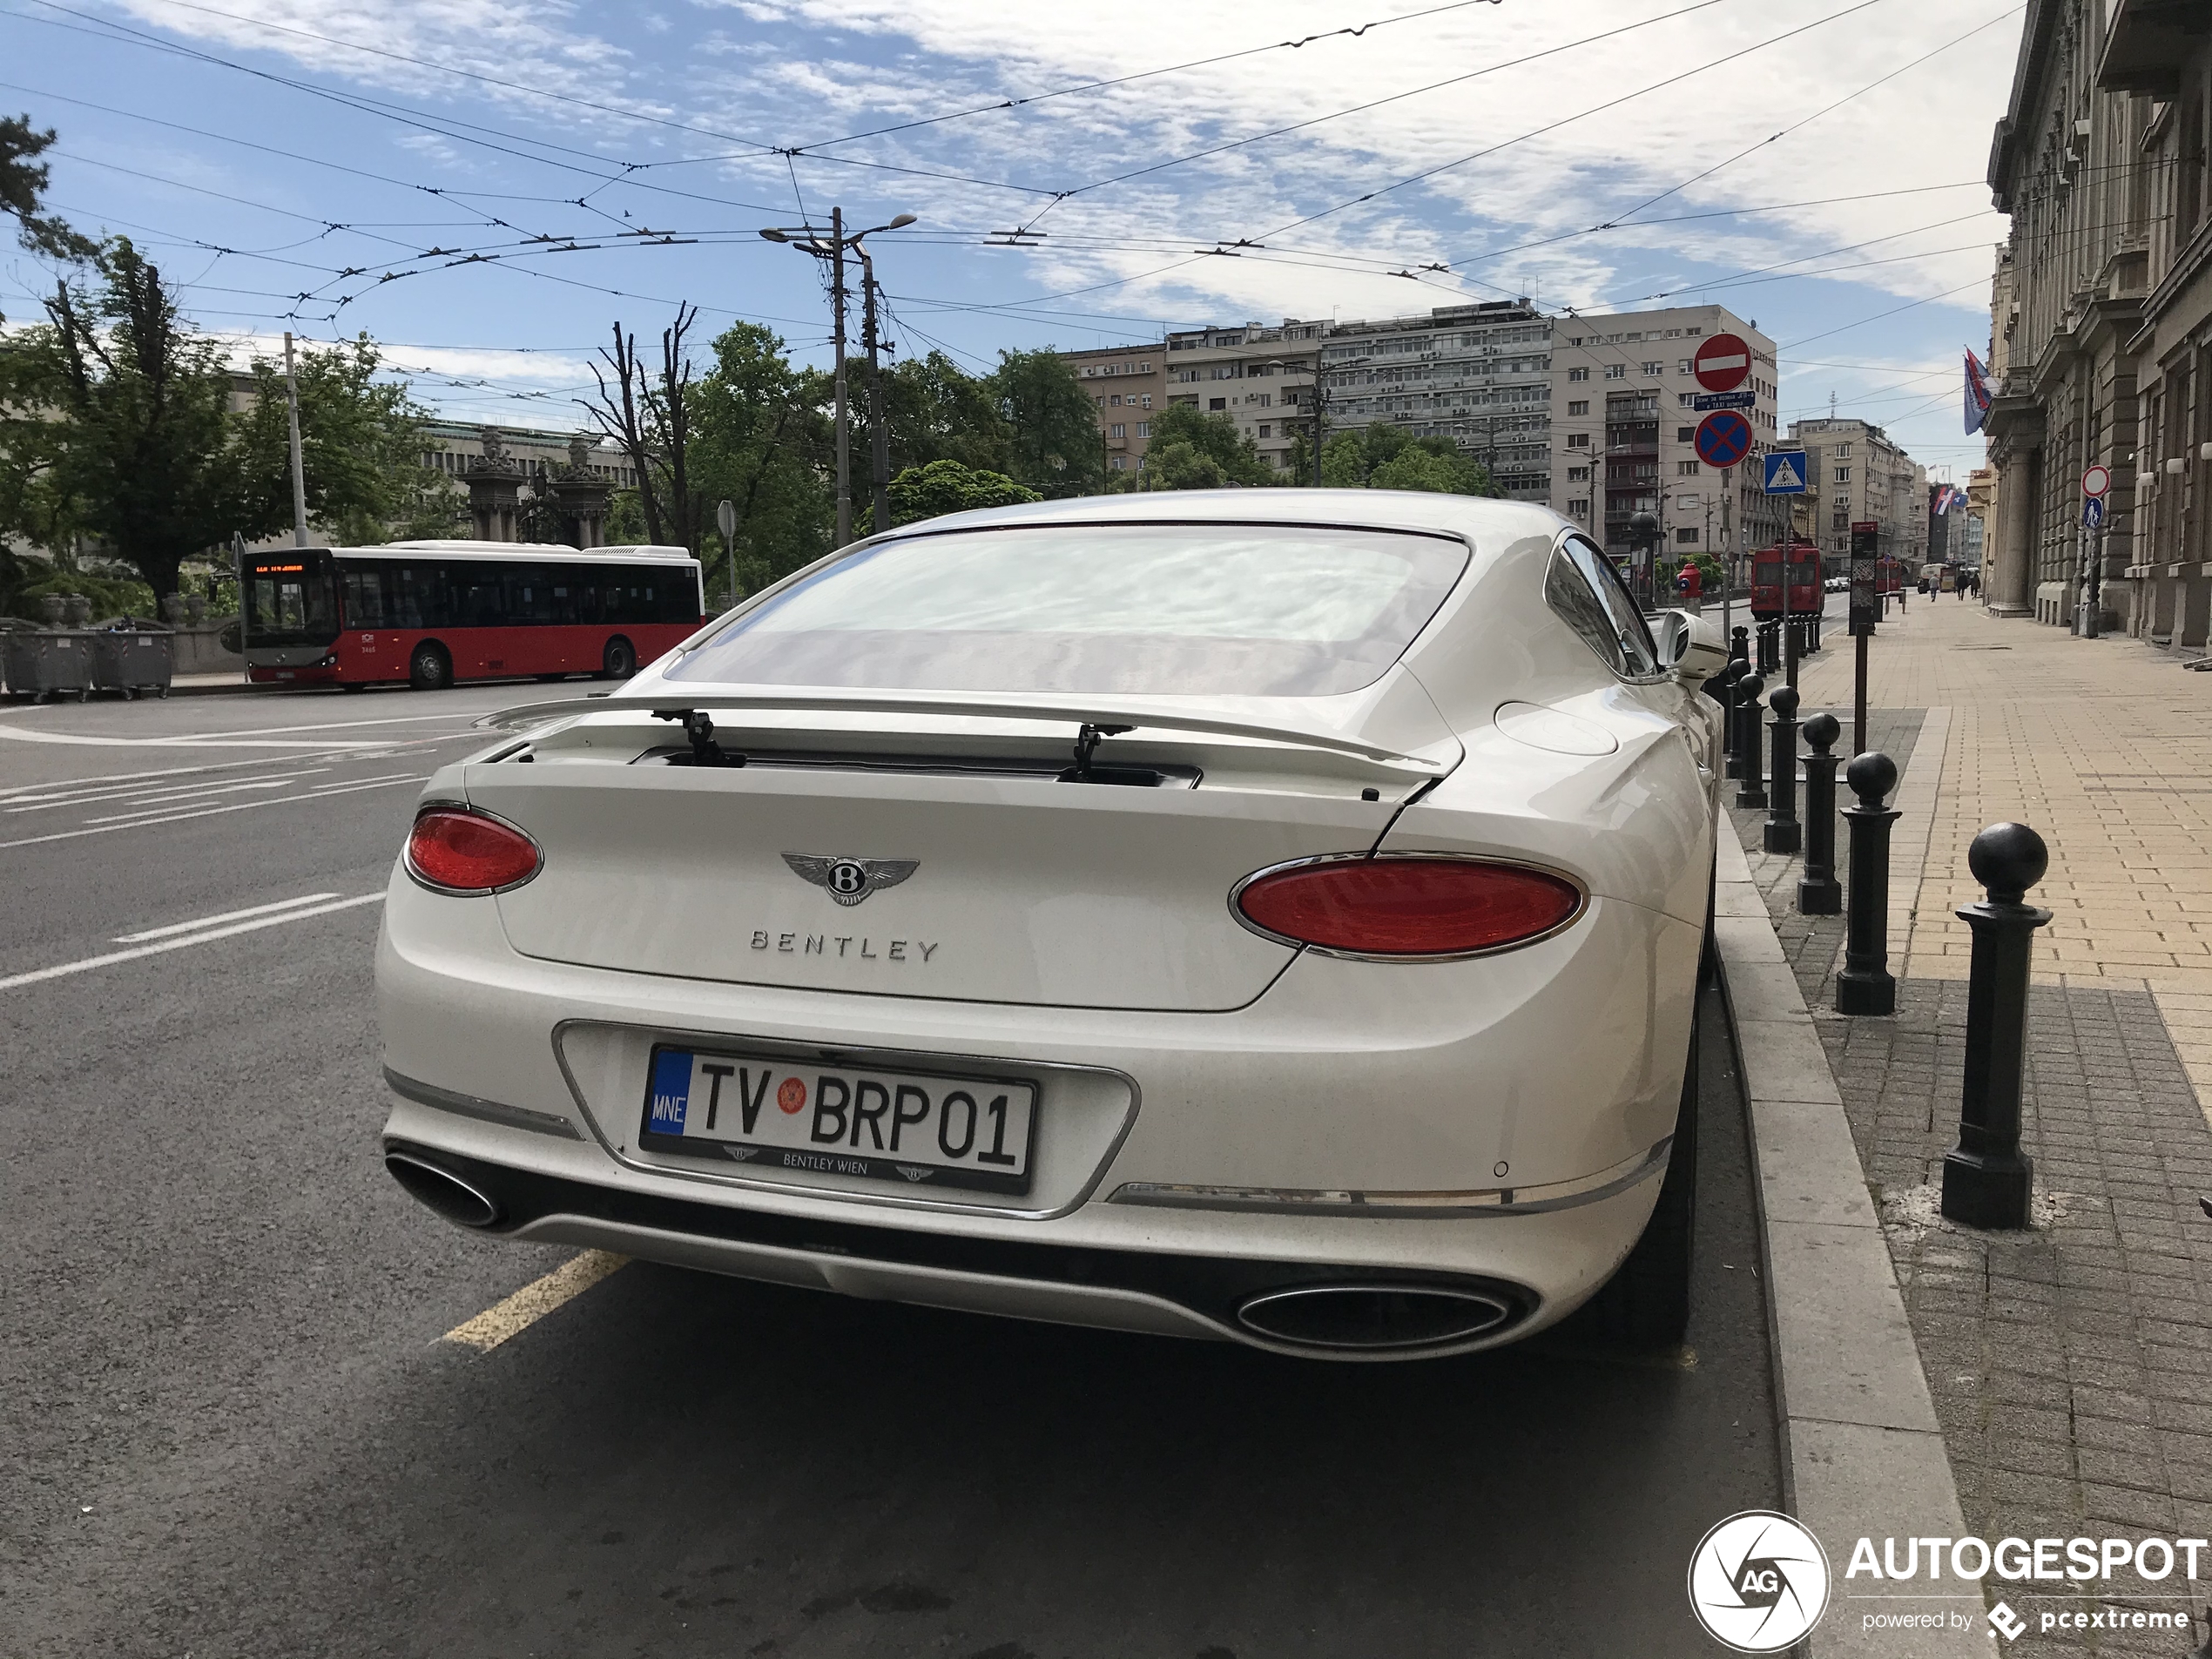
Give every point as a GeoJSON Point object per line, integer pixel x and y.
{"type": "Point", "coordinates": [488, 186]}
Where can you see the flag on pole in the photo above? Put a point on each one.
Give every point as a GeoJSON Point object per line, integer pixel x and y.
{"type": "Point", "coordinates": [1977, 391]}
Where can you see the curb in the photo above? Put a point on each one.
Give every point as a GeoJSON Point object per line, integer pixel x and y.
{"type": "Point", "coordinates": [1863, 1453]}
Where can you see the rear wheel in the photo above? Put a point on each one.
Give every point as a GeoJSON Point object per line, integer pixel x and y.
{"type": "Point", "coordinates": [621, 659]}
{"type": "Point", "coordinates": [429, 669]}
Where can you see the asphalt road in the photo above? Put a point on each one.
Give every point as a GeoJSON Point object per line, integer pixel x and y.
{"type": "Point", "coordinates": [229, 1427]}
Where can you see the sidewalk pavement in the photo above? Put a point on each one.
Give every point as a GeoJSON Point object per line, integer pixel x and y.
{"type": "Point", "coordinates": [2071, 1365]}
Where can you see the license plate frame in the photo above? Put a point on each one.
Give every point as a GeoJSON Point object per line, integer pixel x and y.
{"type": "Point", "coordinates": [999, 1155]}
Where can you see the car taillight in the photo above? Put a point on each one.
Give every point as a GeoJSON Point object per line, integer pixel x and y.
{"type": "Point", "coordinates": [458, 851]}
{"type": "Point", "coordinates": [1411, 906]}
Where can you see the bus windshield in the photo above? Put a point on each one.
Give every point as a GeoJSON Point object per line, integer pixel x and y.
{"type": "Point", "coordinates": [291, 599]}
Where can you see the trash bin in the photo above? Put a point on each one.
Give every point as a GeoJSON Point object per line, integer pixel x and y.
{"type": "Point", "coordinates": [49, 662]}
{"type": "Point", "coordinates": [131, 660]}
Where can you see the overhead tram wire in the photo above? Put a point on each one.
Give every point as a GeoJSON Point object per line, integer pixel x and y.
{"type": "Point", "coordinates": [1375, 103]}
{"type": "Point", "coordinates": [1148, 74]}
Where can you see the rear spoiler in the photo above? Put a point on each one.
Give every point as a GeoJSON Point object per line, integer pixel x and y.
{"type": "Point", "coordinates": [1011, 708]}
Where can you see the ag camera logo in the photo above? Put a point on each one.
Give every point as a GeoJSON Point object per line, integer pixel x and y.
{"type": "Point", "coordinates": [1758, 1582]}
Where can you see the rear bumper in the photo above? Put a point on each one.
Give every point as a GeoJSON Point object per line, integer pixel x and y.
{"type": "Point", "coordinates": [307, 675]}
{"type": "Point", "coordinates": [1163, 1292]}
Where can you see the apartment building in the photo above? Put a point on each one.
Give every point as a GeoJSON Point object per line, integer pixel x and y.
{"type": "Point", "coordinates": [1478, 374]}
{"type": "Point", "coordinates": [1260, 377]}
{"type": "Point", "coordinates": [1125, 383]}
{"type": "Point", "coordinates": [1625, 431]}
{"type": "Point", "coordinates": [1855, 474]}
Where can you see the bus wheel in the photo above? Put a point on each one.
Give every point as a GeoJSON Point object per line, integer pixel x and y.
{"type": "Point", "coordinates": [621, 660]}
{"type": "Point", "coordinates": [429, 669]}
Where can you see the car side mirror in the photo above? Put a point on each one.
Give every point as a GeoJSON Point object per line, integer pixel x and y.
{"type": "Point", "coordinates": [1691, 647]}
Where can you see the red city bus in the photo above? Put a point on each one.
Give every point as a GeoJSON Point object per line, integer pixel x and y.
{"type": "Point", "coordinates": [1805, 592]}
{"type": "Point", "coordinates": [430, 613]}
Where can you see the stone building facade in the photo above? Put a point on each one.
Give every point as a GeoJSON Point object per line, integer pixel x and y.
{"type": "Point", "coordinates": [2070, 164]}
{"type": "Point", "coordinates": [1260, 377]}
{"type": "Point", "coordinates": [2158, 53]}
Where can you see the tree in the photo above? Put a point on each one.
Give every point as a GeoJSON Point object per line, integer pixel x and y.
{"type": "Point", "coordinates": [150, 458]}
{"type": "Point", "coordinates": [361, 443]}
{"type": "Point", "coordinates": [948, 487]}
{"type": "Point", "coordinates": [1381, 456]}
{"type": "Point", "coordinates": [761, 439]}
{"type": "Point", "coordinates": [1193, 451]}
{"type": "Point", "coordinates": [936, 411]}
{"type": "Point", "coordinates": [23, 182]}
{"type": "Point", "coordinates": [649, 415]}
{"type": "Point", "coordinates": [1052, 426]}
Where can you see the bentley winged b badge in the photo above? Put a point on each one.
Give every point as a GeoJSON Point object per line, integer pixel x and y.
{"type": "Point", "coordinates": [850, 881]}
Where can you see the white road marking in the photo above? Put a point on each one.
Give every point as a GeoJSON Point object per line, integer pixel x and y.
{"type": "Point", "coordinates": [108, 959]}
{"type": "Point", "coordinates": [211, 921]}
{"type": "Point", "coordinates": [534, 1301]}
{"type": "Point", "coordinates": [17, 734]}
{"type": "Point", "coordinates": [25, 792]}
{"type": "Point", "coordinates": [182, 792]}
{"type": "Point", "coordinates": [171, 808]}
{"type": "Point", "coordinates": [209, 812]}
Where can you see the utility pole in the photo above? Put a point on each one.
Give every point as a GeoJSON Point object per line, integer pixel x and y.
{"type": "Point", "coordinates": [299, 472]}
{"type": "Point", "coordinates": [1727, 555]}
{"type": "Point", "coordinates": [880, 495]}
{"type": "Point", "coordinates": [844, 429]}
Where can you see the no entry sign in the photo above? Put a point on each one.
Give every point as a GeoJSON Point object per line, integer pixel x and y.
{"type": "Point", "coordinates": [1724, 438]}
{"type": "Point", "coordinates": [2096, 481]}
{"type": "Point", "coordinates": [1722, 363]}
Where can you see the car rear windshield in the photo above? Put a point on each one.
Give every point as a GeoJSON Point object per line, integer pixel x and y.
{"type": "Point", "coordinates": [1198, 609]}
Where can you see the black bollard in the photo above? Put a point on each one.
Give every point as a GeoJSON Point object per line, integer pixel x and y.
{"type": "Point", "coordinates": [1819, 893]}
{"type": "Point", "coordinates": [1739, 645]}
{"type": "Point", "coordinates": [1987, 1180]}
{"type": "Point", "coordinates": [1783, 833]}
{"type": "Point", "coordinates": [1752, 792]}
{"type": "Point", "coordinates": [1768, 632]}
{"type": "Point", "coordinates": [1865, 985]}
{"type": "Point", "coordinates": [1731, 723]}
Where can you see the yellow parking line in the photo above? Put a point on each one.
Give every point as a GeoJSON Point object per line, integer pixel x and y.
{"type": "Point", "coordinates": [534, 1301]}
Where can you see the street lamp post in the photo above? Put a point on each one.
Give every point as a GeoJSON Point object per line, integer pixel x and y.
{"type": "Point", "coordinates": [809, 240]}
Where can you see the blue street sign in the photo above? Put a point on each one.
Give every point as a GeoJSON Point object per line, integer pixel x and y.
{"type": "Point", "coordinates": [1703, 401]}
{"type": "Point", "coordinates": [2092, 512]}
{"type": "Point", "coordinates": [1724, 438]}
{"type": "Point", "coordinates": [1785, 472]}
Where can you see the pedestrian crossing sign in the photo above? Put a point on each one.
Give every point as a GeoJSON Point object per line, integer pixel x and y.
{"type": "Point", "coordinates": [1785, 472]}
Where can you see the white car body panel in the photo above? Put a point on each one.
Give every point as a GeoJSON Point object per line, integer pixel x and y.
{"type": "Point", "coordinates": [1206, 1095]}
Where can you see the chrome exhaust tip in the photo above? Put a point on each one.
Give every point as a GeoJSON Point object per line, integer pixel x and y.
{"type": "Point", "coordinates": [1372, 1318]}
{"type": "Point", "coordinates": [442, 1190]}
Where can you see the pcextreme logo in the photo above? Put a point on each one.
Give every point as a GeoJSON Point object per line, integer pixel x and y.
{"type": "Point", "coordinates": [1758, 1582]}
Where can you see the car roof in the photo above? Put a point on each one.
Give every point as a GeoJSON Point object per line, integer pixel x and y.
{"type": "Point", "coordinates": [1475, 518]}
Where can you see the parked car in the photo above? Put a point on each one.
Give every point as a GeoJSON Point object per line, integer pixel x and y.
{"type": "Point", "coordinates": [1266, 915]}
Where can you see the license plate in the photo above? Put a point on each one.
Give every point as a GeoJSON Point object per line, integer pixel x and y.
{"type": "Point", "coordinates": [907, 1128]}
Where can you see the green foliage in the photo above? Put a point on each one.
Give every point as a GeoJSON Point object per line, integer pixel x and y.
{"type": "Point", "coordinates": [1383, 457]}
{"type": "Point", "coordinates": [1193, 451]}
{"type": "Point", "coordinates": [1708, 571]}
{"type": "Point", "coordinates": [361, 446]}
{"type": "Point", "coordinates": [948, 487]}
{"type": "Point", "coordinates": [933, 411]}
{"type": "Point", "coordinates": [1053, 442]}
{"type": "Point", "coordinates": [23, 182]}
{"type": "Point", "coordinates": [110, 596]}
{"type": "Point", "coordinates": [761, 439]}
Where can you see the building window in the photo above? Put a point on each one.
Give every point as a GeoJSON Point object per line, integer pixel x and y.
{"type": "Point", "coordinates": [1685, 469]}
{"type": "Point", "coordinates": [1267, 400]}
{"type": "Point", "coordinates": [1616, 371]}
{"type": "Point", "coordinates": [1688, 538]}
{"type": "Point", "coordinates": [1216, 403]}
{"type": "Point", "coordinates": [1652, 371]}
{"type": "Point", "coordinates": [1144, 368]}
{"type": "Point", "coordinates": [1580, 406]}
{"type": "Point", "coordinates": [1682, 366]}
{"type": "Point", "coordinates": [1579, 507]}
{"type": "Point", "coordinates": [1843, 453]}
{"type": "Point", "coordinates": [1843, 476]}
{"type": "Point", "coordinates": [1114, 402]}
{"type": "Point", "coordinates": [1100, 401]}
{"type": "Point", "coordinates": [1143, 428]}
{"type": "Point", "coordinates": [1119, 463]}
{"type": "Point", "coordinates": [1266, 431]}
{"type": "Point", "coordinates": [1117, 430]}
{"type": "Point", "coordinates": [1578, 439]}
{"type": "Point", "coordinates": [1685, 434]}
{"type": "Point", "coordinates": [1578, 373]}
{"type": "Point", "coordinates": [1145, 401]}
{"type": "Point", "coordinates": [1578, 475]}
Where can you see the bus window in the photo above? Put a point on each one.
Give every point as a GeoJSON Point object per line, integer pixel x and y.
{"type": "Point", "coordinates": [294, 605]}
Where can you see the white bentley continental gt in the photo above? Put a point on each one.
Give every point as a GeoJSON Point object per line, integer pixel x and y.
{"type": "Point", "coordinates": [1270, 915]}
